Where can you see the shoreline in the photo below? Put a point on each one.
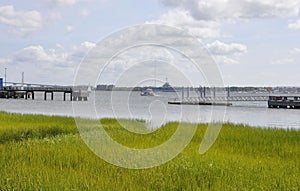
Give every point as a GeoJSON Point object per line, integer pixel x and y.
{"type": "Point", "coordinates": [224, 122]}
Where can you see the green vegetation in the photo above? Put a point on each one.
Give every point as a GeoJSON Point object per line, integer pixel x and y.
{"type": "Point", "coordinates": [16, 127]}
{"type": "Point", "coordinates": [46, 153]}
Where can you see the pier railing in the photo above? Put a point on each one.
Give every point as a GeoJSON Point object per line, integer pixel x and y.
{"type": "Point", "coordinates": [221, 99]}
{"type": "Point", "coordinates": [54, 88]}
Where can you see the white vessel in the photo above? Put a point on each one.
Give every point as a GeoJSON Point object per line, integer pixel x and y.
{"type": "Point", "coordinates": [147, 92]}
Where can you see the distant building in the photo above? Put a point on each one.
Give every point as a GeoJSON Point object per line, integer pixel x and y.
{"type": "Point", "coordinates": [101, 87]}
{"type": "Point", "coordinates": [110, 87]}
{"type": "Point", "coordinates": [104, 87]}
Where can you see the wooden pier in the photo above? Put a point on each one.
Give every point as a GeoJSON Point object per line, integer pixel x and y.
{"type": "Point", "coordinates": [18, 92]}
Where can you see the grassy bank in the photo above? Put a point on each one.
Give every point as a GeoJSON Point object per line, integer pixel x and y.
{"type": "Point", "coordinates": [47, 153]}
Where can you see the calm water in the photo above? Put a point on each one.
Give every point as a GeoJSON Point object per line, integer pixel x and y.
{"type": "Point", "coordinates": [132, 105]}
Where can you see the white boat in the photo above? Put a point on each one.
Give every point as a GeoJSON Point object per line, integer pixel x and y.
{"type": "Point", "coordinates": [147, 92]}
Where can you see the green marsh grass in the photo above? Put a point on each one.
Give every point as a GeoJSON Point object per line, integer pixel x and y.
{"type": "Point", "coordinates": [17, 127]}
{"type": "Point", "coordinates": [46, 153]}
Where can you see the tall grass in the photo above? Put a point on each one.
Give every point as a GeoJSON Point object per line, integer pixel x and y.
{"type": "Point", "coordinates": [242, 158]}
{"type": "Point", "coordinates": [17, 127]}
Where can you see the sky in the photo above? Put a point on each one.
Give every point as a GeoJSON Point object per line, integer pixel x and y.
{"type": "Point", "coordinates": [252, 42]}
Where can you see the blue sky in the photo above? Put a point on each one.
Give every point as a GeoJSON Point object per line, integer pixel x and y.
{"type": "Point", "coordinates": [253, 42]}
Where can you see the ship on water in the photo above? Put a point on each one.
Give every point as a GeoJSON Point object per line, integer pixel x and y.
{"type": "Point", "coordinates": [150, 91]}
{"type": "Point", "coordinates": [147, 92]}
{"type": "Point", "coordinates": [166, 87]}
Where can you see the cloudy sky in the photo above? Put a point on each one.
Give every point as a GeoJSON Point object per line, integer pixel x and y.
{"type": "Point", "coordinates": [254, 42]}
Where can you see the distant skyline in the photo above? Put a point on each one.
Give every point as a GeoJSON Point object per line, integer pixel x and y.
{"type": "Point", "coordinates": [254, 43]}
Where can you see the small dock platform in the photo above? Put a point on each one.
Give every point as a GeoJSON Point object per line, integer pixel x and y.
{"type": "Point", "coordinates": [197, 102]}
{"type": "Point", "coordinates": [288, 102]}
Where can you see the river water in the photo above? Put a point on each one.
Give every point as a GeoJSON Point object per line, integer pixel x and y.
{"type": "Point", "coordinates": [122, 104]}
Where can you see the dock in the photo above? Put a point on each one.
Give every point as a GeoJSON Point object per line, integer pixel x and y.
{"type": "Point", "coordinates": [25, 92]}
{"type": "Point", "coordinates": [199, 101]}
{"type": "Point", "coordinates": [220, 100]}
{"type": "Point", "coordinates": [288, 102]}
{"type": "Point", "coordinates": [282, 101]}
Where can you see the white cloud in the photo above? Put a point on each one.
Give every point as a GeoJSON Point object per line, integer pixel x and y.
{"type": "Point", "coordinates": [183, 20]}
{"type": "Point", "coordinates": [231, 9]}
{"type": "Point", "coordinates": [5, 61]}
{"type": "Point", "coordinates": [295, 51]}
{"type": "Point", "coordinates": [283, 61]}
{"type": "Point", "coordinates": [69, 2]}
{"type": "Point", "coordinates": [20, 21]}
{"type": "Point", "coordinates": [69, 28]}
{"type": "Point", "coordinates": [291, 57]}
{"type": "Point", "coordinates": [35, 53]}
{"type": "Point", "coordinates": [84, 12]}
{"type": "Point", "coordinates": [88, 45]}
{"type": "Point", "coordinates": [220, 48]}
{"type": "Point", "coordinates": [51, 65]}
{"type": "Point", "coordinates": [63, 2]}
{"type": "Point", "coordinates": [227, 54]}
{"type": "Point", "coordinates": [225, 60]}
{"type": "Point", "coordinates": [55, 16]}
{"type": "Point", "coordinates": [295, 25]}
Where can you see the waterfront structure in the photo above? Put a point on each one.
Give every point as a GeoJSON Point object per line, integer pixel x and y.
{"type": "Point", "coordinates": [29, 91]}
{"type": "Point", "coordinates": [105, 87]}
{"type": "Point", "coordinates": [289, 102]}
